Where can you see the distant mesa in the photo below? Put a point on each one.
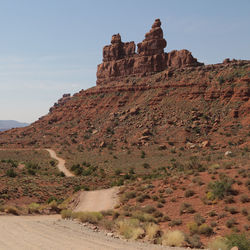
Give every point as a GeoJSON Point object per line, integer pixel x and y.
{"type": "Point", "coordinates": [121, 59]}
{"type": "Point", "coordinates": [8, 124]}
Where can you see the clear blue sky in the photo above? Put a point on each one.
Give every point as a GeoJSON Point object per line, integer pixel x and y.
{"type": "Point", "coordinates": [51, 47]}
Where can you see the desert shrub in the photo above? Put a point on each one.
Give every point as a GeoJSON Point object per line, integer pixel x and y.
{"type": "Point", "coordinates": [193, 228]}
{"type": "Point", "coordinates": [108, 212]}
{"type": "Point", "coordinates": [130, 195]}
{"type": "Point", "coordinates": [233, 210]}
{"type": "Point", "coordinates": [189, 193]}
{"type": "Point", "coordinates": [91, 217]}
{"type": "Point", "coordinates": [160, 205]}
{"type": "Point", "coordinates": [142, 197]}
{"type": "Point", "coordinates": [130, 228]}
{"type": "Point", "coordinates": [186, 208]}
{"type": "Point", "coordinates": [244, 211]}
{"type": "Point", "coordinates": [53, 205]}
{"type": "Point", "coordinates": [213, 224]}
{"type": "Point", "coordinates": [61, 174]}
{"type": "Point", "coordinates": [218, 243]}
{"type": "Point", "coordinates": [239, 240]}
{"type": "Point", "coordinates": [143, 217]}
{"type": "Point", "coordinates": [146, 165]}
{"type": "Point", "coordinates": [229, 200]}
{"type": "Point", "coordinates": [222, 188]}
{"type": "Point", "coordinates": [11, 173]}
{"type": "Point", "coordinates": [199, 219]}
{"type": "Point", "coordinates": [205, 229]}
{"type": "Point", "coordinates": [33, 208]}
{"type": "Point", "coordinates": [151, 230]}
{"type": "Point", "coordinates": [77, 169]}
{"type": "Point", "coordinates": [244, 198]}
{"type": "Point", "coordinates": [143, 154]}
{"type": "Point", "coordinates": [149, 209]}
{"type": "Point", "coordinates": [66, 214]}
{"type": "Point", "coordinates": [175, 222]}
{"type": "Point", "coordinates": [194, 241]}
{"type": "Point", "coordinates": [53, 198]}
{"type": "Point", "coordinates": [12, 210]}
{"type": "Point", "coordinates": [165, 218]}
{"type": "Point", "coordinates": [212, 213]}
{"type": "Point", "coordinates": [107, 224]}
{"type": "Point", "coordinates": [169, 191]}
{"type": "Point", "coordinates": [230, 223]}
{"type": "Point", "coordinates": [52, 163]}
{"type": "Point", "coordinates": [173, 238]}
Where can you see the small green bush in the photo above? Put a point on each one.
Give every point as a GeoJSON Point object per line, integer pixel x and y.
{"type": "Point", "coordinates": [11, 173]}
{"type": "Point", "coordinates": [91, 217]}
{"type": "Point", "coordinates": [199, 219]}
{"type": "Point", "coordinates": [230, 223]}
{"type": "Point", "coordinates": [33, 208]}
{"type": "Point", "coordinates": [186, 208]}
{"type": "Point", "coordinates": [194, 241]}
{"type": "Point", "coordinates": [244, 198]}
{"type": "Point", "coordinates": [205, 229]}
{"type": "Point", "coordinates": [66, 214]}
{"type": "Point", "coordinates": [222, 188]}
{"type": "Point", "coordinates": [218, 243]}
{"type": "Point", "coordinates": [193, 228]}
{"type": "Point", "coordinates": [239, 240]}
{"type": "Point", "coordinates": [189, 193]}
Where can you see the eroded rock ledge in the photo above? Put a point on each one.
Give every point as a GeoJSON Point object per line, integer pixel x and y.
{"type": "Point", "coordinates": [121, 60]}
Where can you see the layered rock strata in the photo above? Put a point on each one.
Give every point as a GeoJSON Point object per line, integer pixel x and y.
{"type": "Point", "coordinates": [121, 60]}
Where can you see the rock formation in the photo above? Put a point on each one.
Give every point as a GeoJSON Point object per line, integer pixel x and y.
{"type": "Point", "coordinates": [120, 59]}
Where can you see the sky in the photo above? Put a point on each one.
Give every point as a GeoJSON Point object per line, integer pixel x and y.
{"type": "Point", "coordinates": [52, 47]}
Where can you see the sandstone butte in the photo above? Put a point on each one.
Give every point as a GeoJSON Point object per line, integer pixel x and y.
{"type": "Point", "coordinates": [121, 60]}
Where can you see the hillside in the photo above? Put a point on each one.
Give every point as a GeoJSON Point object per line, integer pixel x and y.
{"type": "Point", "coordinates": [8, 124]}
{"type": "Point", "coordinates": [173, 131]}
{"type": "Point", "coordinates": [186, 107]}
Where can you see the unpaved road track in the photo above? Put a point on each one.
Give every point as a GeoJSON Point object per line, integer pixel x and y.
{"type": "Point", "coordinates": [61, 163]}
{"type": "Point", "coordinates": [97, 200]}
{"type": "Point", "coordinates": [53, 233]}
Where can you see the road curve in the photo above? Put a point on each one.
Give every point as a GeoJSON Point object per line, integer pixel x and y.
{"type": "Point", "coordinates": [52, 233]}
{"type": "Point", "coordinates": [97, 200]}
{"type": "Point", "coordinates": [61, 163]}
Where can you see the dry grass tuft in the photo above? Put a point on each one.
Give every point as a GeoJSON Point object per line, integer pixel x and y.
{"type": "Point", "coordinates": [218, 243]}
{"type": "Point", "coordinates": [151, 230]}
{"type": "Point", "coordinates": [130, 228]}
{"type": "Point", "coordinates": [173, 238]}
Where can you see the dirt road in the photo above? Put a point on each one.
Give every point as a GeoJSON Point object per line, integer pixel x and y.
{"type": "Point", "coordinates": [52, 233]}
{"type": "Point", "coordinates": [61, 163]}
{"type": "Point", "coordinates": [97, 200]}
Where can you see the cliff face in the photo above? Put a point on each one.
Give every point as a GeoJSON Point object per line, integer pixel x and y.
{"type": "Point", "coordinates": [121, 60]}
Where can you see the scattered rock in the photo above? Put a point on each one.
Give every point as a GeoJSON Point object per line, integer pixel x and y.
{"type": "Point", "coordinates": [146, 132]}
{"type": "Point", "coordinates": [205, 144]}
{"type": "Point", "coordinates": [190, 145]}
{"type": "Point", "coordinates": [162, 147]}
{"type": "Point", "coordinates": [227, 153]}
{"type": "Point", "coordinates": [235, 248]}
{"type": "Point", "coordinates": [102, 144]}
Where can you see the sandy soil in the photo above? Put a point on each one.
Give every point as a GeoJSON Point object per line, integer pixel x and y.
{"type": "Point", "coordinates": [51, 232]}
{"type": "Point", "coordinates": [97, 200]}
{"type": "Point", "coordinates": [61, 163]}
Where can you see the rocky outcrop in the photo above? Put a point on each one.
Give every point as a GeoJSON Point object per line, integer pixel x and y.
{"type": "Point", "coordinates": [121, 60]}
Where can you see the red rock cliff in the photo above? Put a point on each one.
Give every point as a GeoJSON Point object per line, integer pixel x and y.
{"type": "Point", "coordinates": [121, 60]}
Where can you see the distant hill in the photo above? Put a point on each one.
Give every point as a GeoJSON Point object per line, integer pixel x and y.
{"type": "Point", "coordinates": [8, 124]}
